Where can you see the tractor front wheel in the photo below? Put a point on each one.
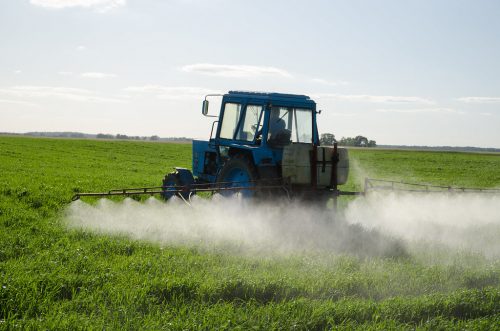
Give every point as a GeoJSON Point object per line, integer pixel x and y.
{"type": "Point", "coordinates": [177, 182]}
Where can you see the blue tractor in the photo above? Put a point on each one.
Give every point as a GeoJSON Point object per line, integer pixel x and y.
{"type": "Point", "coordinates": [263, 142]}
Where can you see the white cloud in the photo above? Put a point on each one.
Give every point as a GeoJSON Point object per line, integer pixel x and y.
{"type": "Point", "coordinates": [327, 82]}
{"type": "Point", "coordinates": [172, 92]}
{"type": "Point", "coordinates": [228, 70]}
{"type": "Point", "coordinates": [17, 72]}
{"type": "Point", "coordinates": [98, 5]}
{"type": "Point", "coordinates": [421, 110]}
{"type": "Point", "coordinates": [97, 75]}
{"type": "Point", "coordinates": [17, 102]}
{"type": "Point", "coordinates": [344, 114]}
{"type": "Point", "coordinates": [373, 98]}
{"type": "Point", "coordinates": [65, 73]}
{"type": "Point", "coordinates": [66, 93]}
{"type": "Point", "coordinates": [81, 48]}
{"type": "Point", "coordinates": [480, 99]}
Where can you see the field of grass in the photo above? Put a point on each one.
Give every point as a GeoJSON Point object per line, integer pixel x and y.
{"type": "Point", "coordinates": [52, 277]}
{"type": "Point", "coordinates": [440, 168]}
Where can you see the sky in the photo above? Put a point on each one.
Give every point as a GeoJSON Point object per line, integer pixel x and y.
{"type": "Point", "coordinates": [421, 72]}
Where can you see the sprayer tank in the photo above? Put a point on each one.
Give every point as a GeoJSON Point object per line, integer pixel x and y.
{"type": "Point", "coordinates": [296, 164]}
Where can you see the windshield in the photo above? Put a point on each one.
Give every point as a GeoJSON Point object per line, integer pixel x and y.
{"type": "Point", "coordinates": [240, 125]}
{"type": "Point", "coordinates": [296, 121]}
{"type": "Point", "coordinates": [249, 123]}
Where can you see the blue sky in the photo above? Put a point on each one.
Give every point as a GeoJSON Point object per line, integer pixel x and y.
{"type": "Point", "coordinates": [399, 72]}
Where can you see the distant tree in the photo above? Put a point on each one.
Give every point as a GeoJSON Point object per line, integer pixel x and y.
{"type": "Point", "coordinates": [104, 136]}
{"type": "Point", "coordinates": [327, 139]}
{"type": "Point", "coordinates": [121, 136]}
{"type": "Point", "coordinates": [358, 141]}
{"type": "Point", "coordinates": [76, 135]}
{"type": "Point", "coordinates": [154, 138]}
{"type": "Point", "coordinates": [346, 141]}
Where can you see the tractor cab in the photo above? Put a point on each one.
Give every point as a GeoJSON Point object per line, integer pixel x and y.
{"type": "Point", "coordinates": [266, 119]}
{"type": "Point", "coordinates": [254, 127]}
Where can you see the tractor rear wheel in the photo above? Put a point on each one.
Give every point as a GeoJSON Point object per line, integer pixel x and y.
{"type": "Point", "coordinates": [238, 172]}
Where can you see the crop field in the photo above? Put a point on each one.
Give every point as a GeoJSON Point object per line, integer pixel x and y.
{"type": "Point", "coordinates": [60, 271]}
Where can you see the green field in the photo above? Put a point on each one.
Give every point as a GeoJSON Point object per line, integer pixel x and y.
{"type": "Point", "coordinates": [55, 277]}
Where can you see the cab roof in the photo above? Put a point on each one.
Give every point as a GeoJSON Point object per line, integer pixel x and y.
{"type": "Point", "coordinates": [271, 97]}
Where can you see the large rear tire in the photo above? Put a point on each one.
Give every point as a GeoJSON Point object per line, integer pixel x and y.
{"type": "Point", "coordinates": [238, 172]}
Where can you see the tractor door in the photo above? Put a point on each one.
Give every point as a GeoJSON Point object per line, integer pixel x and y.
{"type": "Point", "coordinates": [240, 129]}
{"type": "Point", "coordinates": [290, 125]}
{"type": "Point", "coordinates": [241, 123]}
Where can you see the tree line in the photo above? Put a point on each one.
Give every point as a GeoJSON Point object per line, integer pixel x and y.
{"type": "Point", "coordinates": [358, 141]}
{"type": "Point", "coordinates": [124, 136]}
{"type": "Point", "coordinates": [150, 138]}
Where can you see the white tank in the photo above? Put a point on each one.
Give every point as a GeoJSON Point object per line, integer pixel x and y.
{"type": "Point", "coordinates": [296, 164]}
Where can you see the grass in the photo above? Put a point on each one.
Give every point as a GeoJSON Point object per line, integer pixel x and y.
{"type": "Point", "coordinates": [439, 168]}
{"type": "Point", "coordinates": [52, 277]}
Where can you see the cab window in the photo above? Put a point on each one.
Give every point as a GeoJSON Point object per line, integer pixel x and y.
{"type": "Point", "coordinates": [250, 122]}
{"type": "Point", "coordinates": [296, 123]}
{"type": "Point", "coordinates": [230, 120]}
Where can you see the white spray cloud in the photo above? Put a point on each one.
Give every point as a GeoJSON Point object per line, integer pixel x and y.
{"type": "Point", "coordinates": [232, 224]}
{"type": "Point", "coordinates": [469, 221]}
{"type": "Point", "coordinates": [380, 225]}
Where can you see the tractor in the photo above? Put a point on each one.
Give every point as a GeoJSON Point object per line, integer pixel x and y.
{"type": "Point", "coordinates": [263, 142]}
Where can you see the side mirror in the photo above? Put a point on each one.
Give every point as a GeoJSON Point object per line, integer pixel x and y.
{"type": "Point", "coordinates": [204, 108]}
